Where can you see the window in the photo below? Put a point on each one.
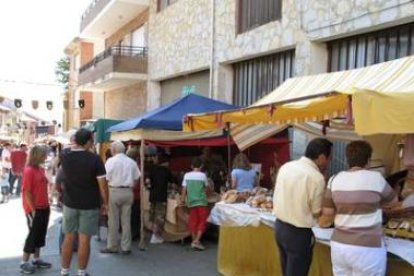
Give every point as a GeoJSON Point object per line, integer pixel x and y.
{"type": "Point", "coordinates": [255, 78]}
{"type": "Point", "coordinates": [162, 4]}
{"type": "Point", "coordinates": [254, 13]}
{"type": "Point", "coordinates": [367, 49]}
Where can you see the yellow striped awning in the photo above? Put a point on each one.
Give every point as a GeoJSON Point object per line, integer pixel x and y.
{"type": "Point", "coordinates": [382, 101]}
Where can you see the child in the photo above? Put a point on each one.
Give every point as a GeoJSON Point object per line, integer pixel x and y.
{"type": "Point", "coordinates": [5, 187]}
{"type": "Point", "coordinates": [194, 186]}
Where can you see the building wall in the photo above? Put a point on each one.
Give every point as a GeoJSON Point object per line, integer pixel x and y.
{"type": "Point", "coordinates": [180, 35]}
{"type": "Point", "coordinates": [126, 102]}
{"type": "Point", "coordinates": [138, 21]}
{"type": "Point", "coordinates": [179, 38]}
{"type": "Point", "coordinates": [87, 111]}
{"type": "Point", "coordinates": [86, 52]}
{"type": "Point", "coordinates": [173, 88]}
{"type": "Point", "coordinates": [324, 19]}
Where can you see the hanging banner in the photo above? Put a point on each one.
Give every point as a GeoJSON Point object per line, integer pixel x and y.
{"type": "Point", "coordinates": [17, 103]}
{"type": "Point", "coordinates": [35, 104]}
{"type": "Point", "coordinates": [49, 105]}
{"type": "Point", "coordinates": [81, 103]}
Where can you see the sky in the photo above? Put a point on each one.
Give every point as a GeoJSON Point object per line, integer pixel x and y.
{"type": "Point", "coordinates": [34, 34]}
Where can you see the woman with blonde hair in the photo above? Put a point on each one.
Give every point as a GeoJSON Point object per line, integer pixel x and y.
{"type": "Point", "coordinates": [243, 176]}
{"type": "Point", "coordinates": [36, 208]}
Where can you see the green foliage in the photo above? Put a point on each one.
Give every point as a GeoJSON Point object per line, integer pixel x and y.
{"type": "Point", "coordinates": [62, 71]}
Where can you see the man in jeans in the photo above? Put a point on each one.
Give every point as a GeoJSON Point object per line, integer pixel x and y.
{"type": "Point", "coordinates": [122, 175]}
{"type": "Point", "coordinates": [85, 189]}
{"type": "Point", "coordinates": [297, 203]}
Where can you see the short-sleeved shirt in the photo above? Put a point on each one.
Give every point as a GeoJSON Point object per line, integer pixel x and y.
{"type": "Point", "coordinates": [245, 179]}
{"type": "Point", "coordinates": [195, 183]}
{"type": "Point", "coordinates": [356, 197]}
{"type": "Point", "coordinates": [121, 171]}
{"type": "Point", "coordinates": [81, 169]}
{"type": "Point", "coordinates": [298, 192]}
{"type": "Point", "coordinates": [5, 154]}
{"type": "Point", "coordinates": [18, 161]}
{"type": "Point", "coordinates": [35, 182]}
{"type": "Point", "coordinates": [160, 176]}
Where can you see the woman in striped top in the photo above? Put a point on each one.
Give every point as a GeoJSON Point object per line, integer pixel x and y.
{"type": "Point", "coordinates": [353, 199]}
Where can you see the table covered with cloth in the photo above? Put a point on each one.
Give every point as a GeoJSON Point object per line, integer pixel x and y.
{"type": "Point", "coordinates": [247, 245]}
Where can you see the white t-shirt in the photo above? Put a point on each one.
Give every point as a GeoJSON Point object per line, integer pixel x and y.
{"type": "Point", "coordinates": [5, 154]}
{"type": "Point", "coordinates": [121, 171]}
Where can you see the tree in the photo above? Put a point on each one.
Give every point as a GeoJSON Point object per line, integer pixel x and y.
{"type": "Point", "coordinates": [62, 71]}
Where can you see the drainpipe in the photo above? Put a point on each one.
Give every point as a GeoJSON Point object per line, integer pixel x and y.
{"type": "Point", "coordinates": [212, 19]}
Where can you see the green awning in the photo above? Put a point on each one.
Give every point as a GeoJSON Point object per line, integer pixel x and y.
{"type": "Point", "coordinates": [100, 126]}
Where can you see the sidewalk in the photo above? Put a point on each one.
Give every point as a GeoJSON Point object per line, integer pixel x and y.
{"type": "Point", "coordinates": [161, 259]}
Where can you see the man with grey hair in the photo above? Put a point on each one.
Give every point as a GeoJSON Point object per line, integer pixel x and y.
{"type": "Point", "coordinates": [122, 174]}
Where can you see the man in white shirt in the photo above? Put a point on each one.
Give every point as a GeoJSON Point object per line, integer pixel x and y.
{"type": "Point", "coordinates": [6, 162]}
{"type": "Point", "coordinates": [5, 156]}
{"type": "Point", "coordinates": [297, 202]}
{"type": "Point", "coordinates": [122, 174]}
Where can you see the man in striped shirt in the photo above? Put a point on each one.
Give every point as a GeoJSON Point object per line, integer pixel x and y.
{"type": "Point", "coordinates": [353, 199]}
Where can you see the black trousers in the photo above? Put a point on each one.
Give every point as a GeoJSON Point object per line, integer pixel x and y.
{"type": "Point", "coordinates": [295, 248]}
{"type": "Point", "coordinates": [135, 220]}
{"type": "Point", "coordinates": [37, 230]}
{"type": "Point", "coordinates": [12, 180]}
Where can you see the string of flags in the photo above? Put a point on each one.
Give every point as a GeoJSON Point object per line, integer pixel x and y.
{"type": "Point", "coordinates": [49, 104]}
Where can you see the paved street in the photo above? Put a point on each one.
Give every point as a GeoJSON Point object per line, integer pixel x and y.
{"type": "Point", "coordinates": [165, 259]}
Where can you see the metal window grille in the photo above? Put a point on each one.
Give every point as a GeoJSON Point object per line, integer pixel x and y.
{"type": "Point", "coordinates": [367, 49]}
{"type": "Point", "coordinates": [254, 13]}
{"type": "Point", "coordinates": [255, 78]}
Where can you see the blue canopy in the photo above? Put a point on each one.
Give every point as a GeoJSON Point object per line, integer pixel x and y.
{"type": "Point", "coordinates": [170, 116]}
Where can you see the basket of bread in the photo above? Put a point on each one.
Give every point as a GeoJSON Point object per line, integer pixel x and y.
{"type": "Point", "coordinates": [257, 198]}
{"type": "Point", "coordinates": [232, 196]}
{"type": "Point", "coordinates": [399, 221]}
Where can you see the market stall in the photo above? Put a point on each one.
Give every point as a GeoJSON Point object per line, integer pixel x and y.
{"type": "Point", "coordinates": [375, 102]}
{"type": "Point", "coordinates": [165, 124]}
{"type": "Point", "coordinates": [247, 245]}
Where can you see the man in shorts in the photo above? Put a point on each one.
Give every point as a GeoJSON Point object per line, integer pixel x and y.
{"type": "Point", "coordinates": [85, 189]}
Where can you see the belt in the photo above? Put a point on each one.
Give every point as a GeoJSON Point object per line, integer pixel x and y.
{"type": "Point", "coordinates": [120, 187]}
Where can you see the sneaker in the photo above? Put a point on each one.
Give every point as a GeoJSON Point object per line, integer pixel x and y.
{"type": "Point", "coordinates": [156, 239]}
{"type": "Point", "coordinates": [27, 268]}
{"type": "Point", "coordinates": [41, 264]}
{"type": "Point", "coordinates": [197, 246]}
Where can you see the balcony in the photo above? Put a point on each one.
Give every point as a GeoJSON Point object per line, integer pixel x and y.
{"type": "Point", "coordinates": [116, 67]}
{"type": "Point", "coordinates": [103, 17]}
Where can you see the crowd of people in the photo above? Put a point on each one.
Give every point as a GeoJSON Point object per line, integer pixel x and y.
{"type": "Point", "coordinates": [93, 190]}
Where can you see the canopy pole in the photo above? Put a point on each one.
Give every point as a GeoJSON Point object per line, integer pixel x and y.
{"type": "Point", "coordinates": [142, 194]}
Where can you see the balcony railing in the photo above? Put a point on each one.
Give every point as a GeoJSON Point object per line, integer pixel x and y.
{"type": "Point", "coordinates": [126, 51]}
